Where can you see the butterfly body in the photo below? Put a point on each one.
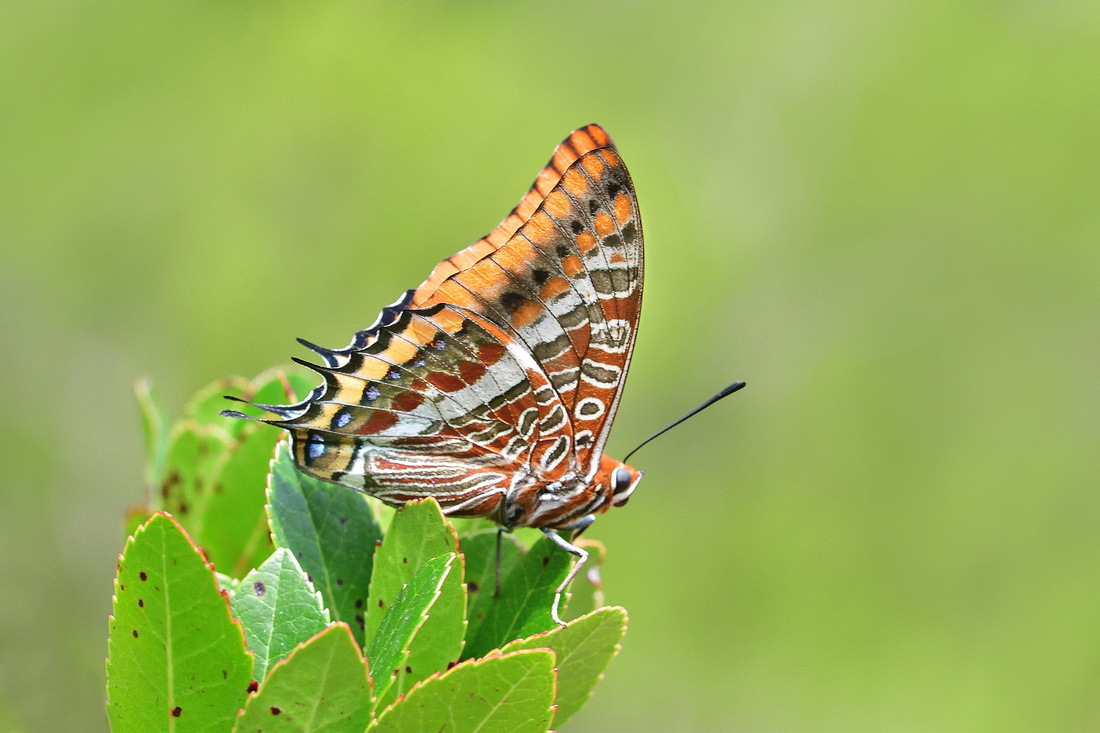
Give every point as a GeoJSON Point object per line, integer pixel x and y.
{"type": "Point", "coordinates": [493, 385]}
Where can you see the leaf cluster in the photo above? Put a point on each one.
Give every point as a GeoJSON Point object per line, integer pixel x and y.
{"type": "Point", "coordinates": [252, 597]}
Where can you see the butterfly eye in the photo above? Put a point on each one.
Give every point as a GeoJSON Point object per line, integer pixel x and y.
{"type": "Point", "coordinates": [620, 480]}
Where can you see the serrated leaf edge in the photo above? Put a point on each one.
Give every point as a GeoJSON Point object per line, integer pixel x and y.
{"type": "Point", "coordinates": [423, 616]}
{"type": "Point", "coordinates": [446, 523]}
{"type": "Point", "coordinates": [234, 621]}
{"type": "Point", "coordinates": [467, 662]}
{"type": "Point", "coordinates": [288, 657]}
{"type": "Point", "coordinates": [614, 650]}
{"type": "Point", "coordinates": [316, 594]}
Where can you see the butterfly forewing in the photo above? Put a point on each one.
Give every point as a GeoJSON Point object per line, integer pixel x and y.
{"type": "Point", "coordinates": [508, 361]}
{"type": "Point", "coordinates": [578, 143]}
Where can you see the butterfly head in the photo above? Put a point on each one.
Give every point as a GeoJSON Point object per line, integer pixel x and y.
{"type": "Point", "coordinates": [617, 479]}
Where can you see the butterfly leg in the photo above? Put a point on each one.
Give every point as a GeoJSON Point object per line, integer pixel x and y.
{"type": "Point", "coordinates": [582, 558]}
{"type": "Point", "coordinates": [579, 526]}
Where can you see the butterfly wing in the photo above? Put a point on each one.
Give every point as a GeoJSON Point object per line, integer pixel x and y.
{"type": "Point", "coordinates": [440, 403]}
{"type": "Point", "coordinates": [485, 369]}
{"type": "Point", "coordinates": [566, 284]}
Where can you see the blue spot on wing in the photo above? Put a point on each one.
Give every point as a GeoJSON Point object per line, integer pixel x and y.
{"type": "Point", "coordinates": [315, 448]}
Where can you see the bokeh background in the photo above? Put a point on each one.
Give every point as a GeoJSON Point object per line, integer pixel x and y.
{"type": "Point", "coordinates": [884, 216]}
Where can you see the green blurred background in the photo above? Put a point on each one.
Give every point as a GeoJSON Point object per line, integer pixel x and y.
{"type": "Point", "coordinates": [884, 217]}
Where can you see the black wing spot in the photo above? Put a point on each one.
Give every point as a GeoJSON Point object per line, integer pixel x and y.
{"type": "Point", "coordinates": [511, 301]}
{"type": "Point", "coordinates": [589, 408]}
{"type": "Point", "coordinates": [562, 251]}
{"type": "Point", "coordinates": [540, 275]}
{"type": "Point", "coordinates": [577, 227]}
{"type": "Point", "coordinates": [613, 189]}
{"type": "Point", "coordinates": [593, 206]}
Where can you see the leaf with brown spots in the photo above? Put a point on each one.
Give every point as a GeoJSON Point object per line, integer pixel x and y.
{"type": "Point", "coordinates": [321, 687]}
{"type": "Point", "coordinates": [279, 609]}
{"type": "Point", "coordinates": [407, 617]}
{"type": "Point", "coordinates": [480, 552]}
{"type": "Point", "coordinates": [215, 471]}
{"type": "Point", "coordinates": [176, 659]}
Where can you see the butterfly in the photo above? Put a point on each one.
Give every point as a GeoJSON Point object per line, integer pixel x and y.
{"type": "Point", "coordinates": [492, 387]}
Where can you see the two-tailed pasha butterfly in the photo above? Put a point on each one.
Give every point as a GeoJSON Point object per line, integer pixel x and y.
{"type": "Point", "coordinates": [492, 386]}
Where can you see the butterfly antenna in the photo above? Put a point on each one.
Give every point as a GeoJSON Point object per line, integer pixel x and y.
{"type": "Point", "coordinates": [724, 393]}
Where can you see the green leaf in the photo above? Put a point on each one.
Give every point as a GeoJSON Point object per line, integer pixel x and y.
{"type": "Point", "coordinates": [194, 455]}
{"type": "Point", "coordinates": [388, 650]}
{"type": "Point", "coordinates": [222, 505]}
{"type": "Point", "coordinates": [582, 650]}
{"type": "Point", "coordinates": [418, 533]}
{"type": "Point", "coordinates": [528, 536]}
{"type": "Point", "coordinates": [155, 428]}
{"type": "Point", "coordinates": [513, 693]}
{"type": "Point", "coordinates": [215, 486]}
{"type": "Point", "coordinates": [322, 686]}
{"type": "Point", "coordinates": [586, 591]}
{"type": "Point", "coordinates": [526, 596]}
{"type": "Point", "coordinates": [233, 528]}
{"type": "Point", "coordinates": [470, 525]}
{"type": "Point", "coordinates": [176, 659]}
{"type": "Point", "coordinates": [438, 643]}
{"type": "Point", "coordinates": [332, 533]}
{"type": "Point", "coordinates": [279, 609]}
{"type": "Point", "coordinates": [480, 550]}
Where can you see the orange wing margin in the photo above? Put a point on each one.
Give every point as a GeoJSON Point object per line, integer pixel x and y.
{"type": "Point", "coordinates": [581, 141]}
